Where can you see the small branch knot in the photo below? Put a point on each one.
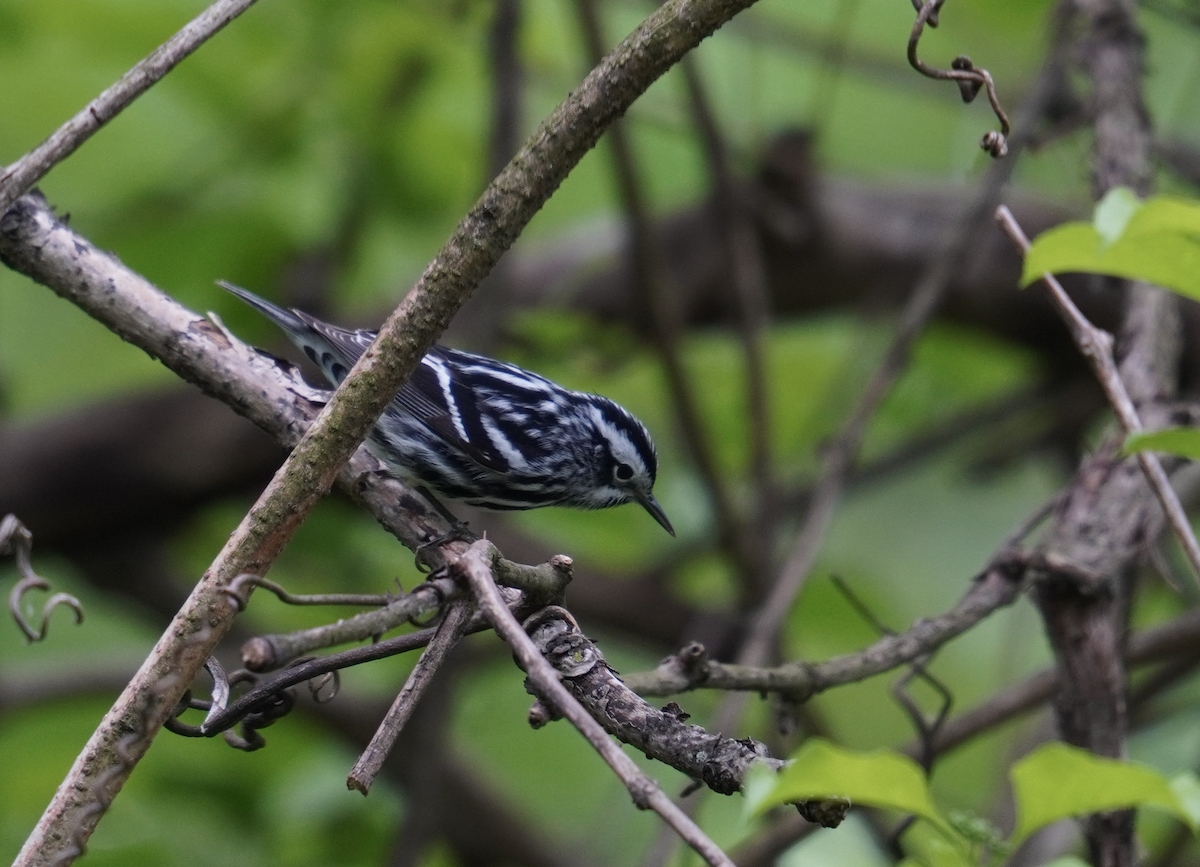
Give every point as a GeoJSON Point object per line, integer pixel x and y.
{"type": "Point", "coordinates": [258, 655]}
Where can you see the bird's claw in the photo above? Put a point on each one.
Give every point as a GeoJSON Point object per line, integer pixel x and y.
{"type": "Point", "coordinates": [459, 532]}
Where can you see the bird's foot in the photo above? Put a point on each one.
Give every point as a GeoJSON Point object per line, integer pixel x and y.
{"type": "Point", "coordinates": [458, 532]}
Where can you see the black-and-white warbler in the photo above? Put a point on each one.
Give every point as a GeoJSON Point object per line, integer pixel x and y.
{"type": "Point", "coordinates": [491, 434]}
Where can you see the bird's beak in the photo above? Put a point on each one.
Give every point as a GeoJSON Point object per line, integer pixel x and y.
{"type": "Point", "coordinates": [651, 505]}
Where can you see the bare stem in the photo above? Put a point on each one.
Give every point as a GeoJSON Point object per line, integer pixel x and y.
{"type": "Point", "coordinates": [799, 681]}
{"type": "Point", "coordinates": [1096, 346]}
{"type": "Point", "coordinates": [448, 633]}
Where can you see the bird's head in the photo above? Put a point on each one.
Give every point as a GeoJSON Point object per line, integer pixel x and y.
{"type": "Point", "coordinates": [625, 460]}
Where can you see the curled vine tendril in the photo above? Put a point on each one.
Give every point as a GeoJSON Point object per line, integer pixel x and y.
{"type": "Point", "coordinates": [969, 77]}
{"type": "Point", "coordinates": [15, 539]}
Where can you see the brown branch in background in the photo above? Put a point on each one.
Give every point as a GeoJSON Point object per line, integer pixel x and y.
{"type": "Point", "coordinates": [979, 422]}
{"type": "Point", "coordinates": [839, 458]}
{"type": "Point", "coordinates": [968, 77]}
{"type": "Point", "coordinates": [646, 792]}
{"type": "Point", "coordinates": [508, 84]}
{"type": "Point", "coordinates": [24, 690]}
{"type": "Point", "coordinates": [659, 304]}
{"type": "Point", "coordinates": [18, 177]}
{"type": "Point", "coordinates": [747, 274]}
{"type": "Point", "coordinates": [482, 320]}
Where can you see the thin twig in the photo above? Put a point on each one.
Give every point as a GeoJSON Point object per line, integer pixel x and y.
{"type": "Point", "coordinates": [998, 587]}
{"type": "Point", "coordinates": [18, 177]}
{"type": "Point", "coordinates": [646, 792]}
{"type": "Point", "coordinates": [927, 730]}
{"type": "Point", "coordinates": [266, 652]}
{"type": "Point", "coordinates": [747, 273]}
{"type": "Point", "coordinates": [917, 669]}
{"type": "Point", "coordinates": [458, 615]}
{"type": "Point", "coordinates": [1096, 346]}
{"type": "Point", "coordinates": [1028, 524]}
{"type": "Point", "coordinates": [362, 600]}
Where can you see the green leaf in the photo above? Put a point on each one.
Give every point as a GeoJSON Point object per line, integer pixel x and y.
{"type": "Point", "coordinates": [1186, 787]}
{"type": "Point", "coordinates": [1057, 781]}
{"type": "Point", "coordinates": [1158, 241]}
{"type": "Point", "coordinates": [1114, 212]}
{"type": "Point", "coordinates": [929, 846]}
{"type": "Point", "coordinates": [1182, 441]}
{"type": "Point", "coordinates": [820, 769]}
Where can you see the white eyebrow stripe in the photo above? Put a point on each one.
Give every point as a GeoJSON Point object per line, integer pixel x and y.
{"type": "Point", "coordinates": [617, 438]}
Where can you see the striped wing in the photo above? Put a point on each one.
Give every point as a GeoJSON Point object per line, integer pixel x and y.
{"type": "Point", "coordinates": [434, 396]}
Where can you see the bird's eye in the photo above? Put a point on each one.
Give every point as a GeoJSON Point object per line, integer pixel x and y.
{"type": "Point", "coordinates": [624, 472]}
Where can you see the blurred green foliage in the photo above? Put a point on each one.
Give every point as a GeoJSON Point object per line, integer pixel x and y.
{"type": "Point", "coordinates": [358, 130]}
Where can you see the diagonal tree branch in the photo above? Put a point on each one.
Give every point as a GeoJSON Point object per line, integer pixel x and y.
{"type": "Point", "coordinates": [484, 234]}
